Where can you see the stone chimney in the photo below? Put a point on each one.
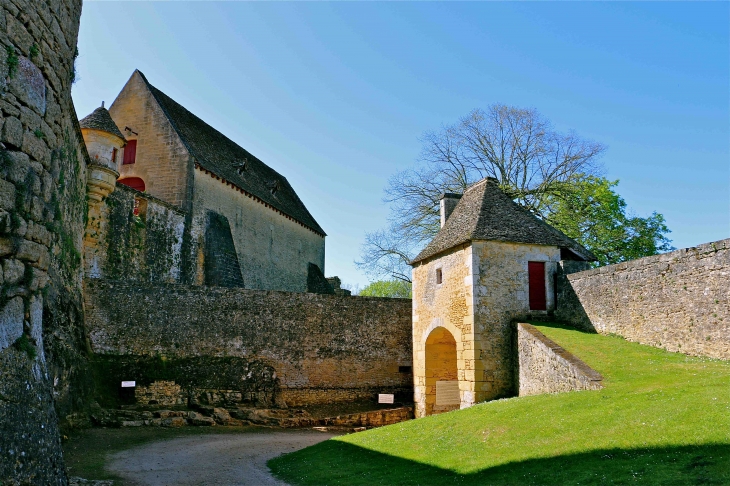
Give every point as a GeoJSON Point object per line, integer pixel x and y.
{"type": "Point", "coordinates": [449, 200]}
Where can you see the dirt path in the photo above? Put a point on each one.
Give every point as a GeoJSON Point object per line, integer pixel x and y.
{"type": "Point", "coordinates": [237, 459]}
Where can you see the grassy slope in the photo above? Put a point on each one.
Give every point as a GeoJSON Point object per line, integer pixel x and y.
{"type": "Point", "coordinates": [662, 418]}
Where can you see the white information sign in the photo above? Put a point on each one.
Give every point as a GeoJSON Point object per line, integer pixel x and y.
{"type": "Point", "coordinates": [386, 398]}
{"type": "Point", "coordinates": [447, 393]}
{"type": "Point", "coordinates": [129, 384]}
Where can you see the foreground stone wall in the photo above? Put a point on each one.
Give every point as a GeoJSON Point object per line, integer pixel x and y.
{"type": "Point", "coordinates": [545, 367]}
{"type": "Point", "coordinates": [677, 301]}
{"type": "Point", "coordinates": [260, 347]}
{"type": "Point", "coordinates": [42, 207]}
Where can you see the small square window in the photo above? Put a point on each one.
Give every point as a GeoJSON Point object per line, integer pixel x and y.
{"type": "Point", "coordinates": [439, 276]}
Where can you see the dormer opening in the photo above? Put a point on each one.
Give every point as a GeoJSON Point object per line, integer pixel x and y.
{"type": "Point", "coordinates": [274, 187]}
{"type": "Point", "coordinates": [241, 166]}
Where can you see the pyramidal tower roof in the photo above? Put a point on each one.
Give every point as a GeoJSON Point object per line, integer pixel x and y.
{"type": "Point", "coordinates": [100, 119]}
{"type": "Point", "coordinates": [484, 212]}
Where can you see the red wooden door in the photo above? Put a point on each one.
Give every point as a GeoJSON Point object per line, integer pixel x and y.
{"type": "Point", "coordinates": [536, 272]}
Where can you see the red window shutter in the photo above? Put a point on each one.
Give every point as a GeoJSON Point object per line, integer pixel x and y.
{"type": "Point", "coordinates": [536, 272]}
{"type": "Point", "coordinates": [130, 152]}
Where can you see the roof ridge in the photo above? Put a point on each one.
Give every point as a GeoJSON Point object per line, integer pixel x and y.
{"type": "Point", "coordinates": [287, 202]}
{"type": "Point", "coordinates": [487, 213]}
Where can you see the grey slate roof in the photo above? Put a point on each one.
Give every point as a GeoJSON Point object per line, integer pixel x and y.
{"type": "Point", "coordinates": [221, 156]}
{"type": "Point", "coordinates": [484, 212]}
{"type": "Point", "coordinates": [100, 119]}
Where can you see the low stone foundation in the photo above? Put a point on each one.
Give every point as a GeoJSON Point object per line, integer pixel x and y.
{"type": "Point", "coordinates": [211, 416]}
{"type": "Point", "coordinates": [545, 367]}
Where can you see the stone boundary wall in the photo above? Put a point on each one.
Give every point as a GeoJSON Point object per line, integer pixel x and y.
{"type": "Point", "coordinates": [269, 347]}
{"type": "Point", "coordinates": [677, 301]}
{"type": "Point", "coordinates": [545, 367]}
{"type": "Point", "coordinates": [120, 245]}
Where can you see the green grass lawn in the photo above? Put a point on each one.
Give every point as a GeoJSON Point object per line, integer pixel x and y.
{"type": "Point", "coordinates": [662, 418]}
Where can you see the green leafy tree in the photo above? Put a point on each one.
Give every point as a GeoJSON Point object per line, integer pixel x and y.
{"type": "Point", "coordinates": [592, 213]}
{"type": "Point", "coordinates": [388, 288]}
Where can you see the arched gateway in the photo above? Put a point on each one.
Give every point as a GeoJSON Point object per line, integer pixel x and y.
{"type": "Point", "coordinates": [442, 381]}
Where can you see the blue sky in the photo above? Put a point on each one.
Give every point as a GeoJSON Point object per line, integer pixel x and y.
{"type": "Point", "coordinates": [336, 96]}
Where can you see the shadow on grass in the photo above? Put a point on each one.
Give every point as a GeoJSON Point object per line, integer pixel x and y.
{"type": "Point", "coordinates": [339, 463]}
{"type": "Point", "coordinates": [560, 325]}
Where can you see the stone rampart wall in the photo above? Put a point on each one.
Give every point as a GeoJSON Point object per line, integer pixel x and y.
{"type": "Point", "coordinates": [545, 367]}
{"type": "Point", "coordinates": [677, 301]}
{"type": "Point", "coordinates": [122, 245]}
{"type": "Point", "coordinates": [270, 347]}
{"type": "Point", "coordinates": [42, 208]}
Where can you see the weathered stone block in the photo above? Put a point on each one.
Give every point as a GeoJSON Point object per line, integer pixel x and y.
{"type": "Point", "coordinates": [173, 422]}
{"type": "Point", "coordinates": [12, 133]}
{"type": "Point", "coordinates": [11, 322]}
{"type": "Point", "coordinates": [29, 85]}
{"type": "Point", "coordinates": [7, 195]}
{"type": "Point", "coordinates": [13, 271]}
{"type": "Point", "coordinates": [34, 146]}
{"type": "Point", "coordinates": [33, 252]}
{"type": "Point", "coordinates": [7, 246]}
{"type": "Point", "coordinates": [38, 280]}
{"type": "Point", "coordinates": [194, 418]}
{"type": "Point", "coordinates": [29, 118]}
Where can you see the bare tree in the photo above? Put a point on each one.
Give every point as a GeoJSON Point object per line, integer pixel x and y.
{"type": "Point", "coordinates": [516, 146]}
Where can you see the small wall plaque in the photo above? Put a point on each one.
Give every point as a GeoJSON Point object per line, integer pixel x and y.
{"type": "Point", "coordinates": [129, 384]}
{"type": "Point", "coordinates": [447, 393]}
{"type": "Point", "coordinates": [386, 398]}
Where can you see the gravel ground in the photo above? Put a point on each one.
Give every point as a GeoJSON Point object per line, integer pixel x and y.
{"type": "Point", "coordinates": [210, 459]}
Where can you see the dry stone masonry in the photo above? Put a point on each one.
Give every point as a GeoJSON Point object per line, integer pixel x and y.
{"type": "Point", "coordinates": [42, 208]}
{"type": "Point", "coordinates": [677, 301]}
{"type": "Point", "coordinates": [226, 346]}
{"type": "Point", "coordinates": [545, 367]}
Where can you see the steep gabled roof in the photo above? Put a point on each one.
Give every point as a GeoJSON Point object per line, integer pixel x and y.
{"type": "Point", "coordinates": [484, 212]}
{"type": "Point", "coordinates": [100, 119]}
{"type": "Point", "coordinates": [222, 157]}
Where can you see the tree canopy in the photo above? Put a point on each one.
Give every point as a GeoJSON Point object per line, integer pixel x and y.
{"type": "Point", "coordinates": [387, 288]}
{"type": "Point", "coordinates": [548, 173]}
{"type": "Point", "coordinates": [594, 215]}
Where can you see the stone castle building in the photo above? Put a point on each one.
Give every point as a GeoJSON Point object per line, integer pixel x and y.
{"type": "Point", "coordinates": [86, 266]}
{"type": "Point", "coordinates": [491, 262]}
{"type": "Point", "coordinates": [219, 215]}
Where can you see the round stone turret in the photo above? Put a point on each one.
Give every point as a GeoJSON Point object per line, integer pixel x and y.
{"type": "Point", "coordinates": [104, 142]}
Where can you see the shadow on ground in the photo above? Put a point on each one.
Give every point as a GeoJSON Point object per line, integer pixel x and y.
{"type": "Point", "coordinates": [338, 463]}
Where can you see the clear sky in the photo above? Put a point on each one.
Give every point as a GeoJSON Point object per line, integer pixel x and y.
{"type": "Point", "coordinates": [335, 96]}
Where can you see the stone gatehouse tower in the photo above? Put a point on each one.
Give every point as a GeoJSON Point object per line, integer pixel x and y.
{"type": "Point", "coordinates": [491, 262]}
